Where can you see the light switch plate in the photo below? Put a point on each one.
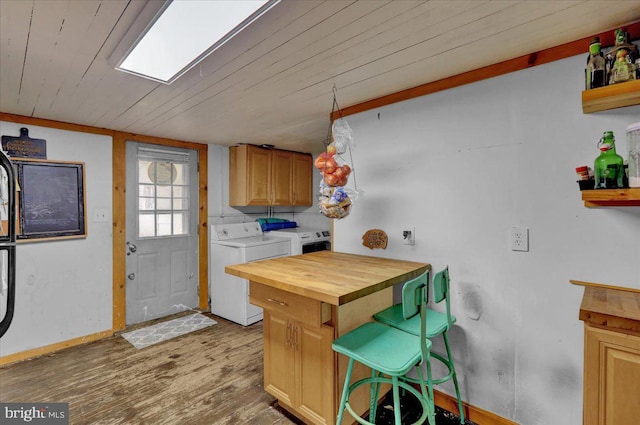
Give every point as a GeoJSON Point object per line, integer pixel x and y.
{"type": "Point", "coordinates": [101, 215]}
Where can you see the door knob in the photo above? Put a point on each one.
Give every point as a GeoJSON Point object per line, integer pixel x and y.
{"type": "Point", "coordinates": [132, 247]}
{"type": "Point", "coordinates": [131, 276]}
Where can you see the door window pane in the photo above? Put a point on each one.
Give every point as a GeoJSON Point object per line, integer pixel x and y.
{"type": "Point", "coordinates": [180, 191]}
{"type": "Point", "coordinates": [164, 203]}
{"type": "Point", "coordinates": [163, 197]}
{"type": "Point", "coordinates": [164, 191]}
{"type": "Point", "coordinates": [164, 225]}
{"type": "Point", "coordinates": [180, 223]}
{"type": "Point", "coordinates": [146, 225]}
{"type": "Point", "coordinates": [147, 204]}
{"type": "Point", "coordinates": [143, 171]}
{"type": "Point", "coordinates": [146, 190]}
{"type": "Point", "coordinates": [182, 174]}
{"type": "Point", "coordinates": [180, 204]}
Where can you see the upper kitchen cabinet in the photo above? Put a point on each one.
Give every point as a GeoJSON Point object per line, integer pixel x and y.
{"type": "Point", "coordinates": [302, 186]}
{"type": "Point", "coordinates": [268, 177]}
{"type": "Point", "coordinates": [281, 178]}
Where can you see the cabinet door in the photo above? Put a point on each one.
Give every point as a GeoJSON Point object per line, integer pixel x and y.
{"type": "Point", "coordinates": [611, 377]}
{"type": "Point", "coordinates": [315, 375]}
{"type": "Point", "coordinates": [279, 358]}
{"type": "Point", "coordinates": [258, 175]}
{"type": "Point", "coordinates": [302, 179]}
{"type": "Point", "coordinates": [281, 178]}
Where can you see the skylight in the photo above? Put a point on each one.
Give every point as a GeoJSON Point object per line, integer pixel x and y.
{"type": "Point", "coordinates": [185, 32]}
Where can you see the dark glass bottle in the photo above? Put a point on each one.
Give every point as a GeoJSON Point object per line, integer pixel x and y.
{"type": "Point", "coordinates": [608, 166]}
{"type": "Point", "coordinates": [595, 66]}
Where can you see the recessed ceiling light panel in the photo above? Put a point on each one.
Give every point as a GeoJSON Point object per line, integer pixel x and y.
{"type": "Point", "coordinates": [184, 32]}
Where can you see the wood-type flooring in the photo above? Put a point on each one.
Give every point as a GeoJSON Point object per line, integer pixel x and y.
{"type": "Point", "coordinates": [208, 377]}
{"type": "Point", "coordinates": [211, 376]}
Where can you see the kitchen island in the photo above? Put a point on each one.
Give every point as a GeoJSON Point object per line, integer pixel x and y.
{"type": "Point", "coordinates": [308, 301]}
{"type": "Point", "coordinates": [611, 316]}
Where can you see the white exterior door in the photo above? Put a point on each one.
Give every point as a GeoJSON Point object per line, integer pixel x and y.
{"type": "Point", "coordinates": [162, 225]}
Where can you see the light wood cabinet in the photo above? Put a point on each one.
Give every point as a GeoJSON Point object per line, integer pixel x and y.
{"type": "Point", "coordinates": [302, 185]}
{"type": "Point", "coordinates": [611, 318]}
{"type": "Point", "coordinates": [279, 381]}
{"type": "Point", "coordinates": [299, 365]}
{"type": "Point", "coordinates": [281, 178]}
{"type": "Point", "coordinates": [611, 377]}
{"type": "Point", "coordinates": [268, 177]}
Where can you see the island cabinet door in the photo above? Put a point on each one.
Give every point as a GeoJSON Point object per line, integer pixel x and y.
{"type": "Point", "coordinates": [279, 358]}
{"type": "Point", "coordinates": [611, 377]}
{"type": "Point", "coordinates": [315, 373]}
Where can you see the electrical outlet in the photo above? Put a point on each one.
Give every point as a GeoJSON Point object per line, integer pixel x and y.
{"type": "Point", "coordinates": [519, 239]}
{"type": "Point", "coordinates": [409, 235]}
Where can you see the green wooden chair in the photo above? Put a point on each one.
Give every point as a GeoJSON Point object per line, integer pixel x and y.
{"type": "Point", "coordinates": [437, 324]}
{"type": "Point", "coordinates": [391, 353]}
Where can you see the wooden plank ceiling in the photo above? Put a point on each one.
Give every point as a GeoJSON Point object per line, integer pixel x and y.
{"type": "Point", "coordinates": [272, 83]}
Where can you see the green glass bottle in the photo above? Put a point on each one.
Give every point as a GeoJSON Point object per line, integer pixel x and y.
{"type": "Point", "coordinates": [608, 166]}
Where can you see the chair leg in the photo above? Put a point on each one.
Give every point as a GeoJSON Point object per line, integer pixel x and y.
{"type": "Point", "coordinates": [428, 396]}
{"type": "Point", "coordinates": [345, 391]}
{"type": "Point", "coordinates": [375, 392]}
{"type": "Point", "coordinates": [453, 375]}
{"type": "Point", "coordinates": [432, 401]}
{"type": "Point", "coordinates": [396, 401]}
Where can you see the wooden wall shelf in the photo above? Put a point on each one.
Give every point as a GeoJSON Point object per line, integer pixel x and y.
{"type": "Point", "coordinates": [611, 97]}
{"type": "Point", "coordinates": [611, 197]}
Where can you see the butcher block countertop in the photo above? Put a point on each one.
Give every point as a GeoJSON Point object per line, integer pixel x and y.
{"type": "Point", "coordinates": [332, 277]}
{"type": "Point", "coordinates": [610, 306]}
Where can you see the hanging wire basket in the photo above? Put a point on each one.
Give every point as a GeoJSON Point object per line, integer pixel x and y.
{"type": "Point", "coordinates": [334, 199]}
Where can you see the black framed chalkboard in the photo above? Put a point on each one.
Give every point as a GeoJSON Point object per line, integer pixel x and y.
{"type": "Point", "coordinates": [51, 200]}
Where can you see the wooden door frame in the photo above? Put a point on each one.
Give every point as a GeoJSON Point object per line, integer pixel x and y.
{"type": "Point", "coordinates": [119, 141]}
{"type": "Point", "coordinates": [119, 219]}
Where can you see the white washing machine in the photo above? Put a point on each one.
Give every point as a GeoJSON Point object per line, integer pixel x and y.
{"type": "Point", "coordinates": [234, 244]}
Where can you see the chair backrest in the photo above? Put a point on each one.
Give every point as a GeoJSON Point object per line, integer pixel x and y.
{"type": "Point", "coordinates": [413, 295]}
{"type": "Point", "coordinates": [441, 282]}
{"type": "Point", "coordinates": [414, 301]}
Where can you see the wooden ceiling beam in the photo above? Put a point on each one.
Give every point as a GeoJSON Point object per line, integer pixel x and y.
{"type": "Point", "coordinates": [522, 62]}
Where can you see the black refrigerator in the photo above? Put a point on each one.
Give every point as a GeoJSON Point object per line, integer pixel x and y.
{"type": "Point", "coordinates": [7, 242]}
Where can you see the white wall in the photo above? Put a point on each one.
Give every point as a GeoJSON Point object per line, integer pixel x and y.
{"type": "Point", "coordinates": [64, 288]}
{"type": "Point", "coordinates": [465, 165]}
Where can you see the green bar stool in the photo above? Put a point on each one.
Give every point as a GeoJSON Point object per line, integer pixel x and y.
{"type": "Point", "coordinates": [391, 353]}
{"type": "Point", "coordinates": [437, 324]}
